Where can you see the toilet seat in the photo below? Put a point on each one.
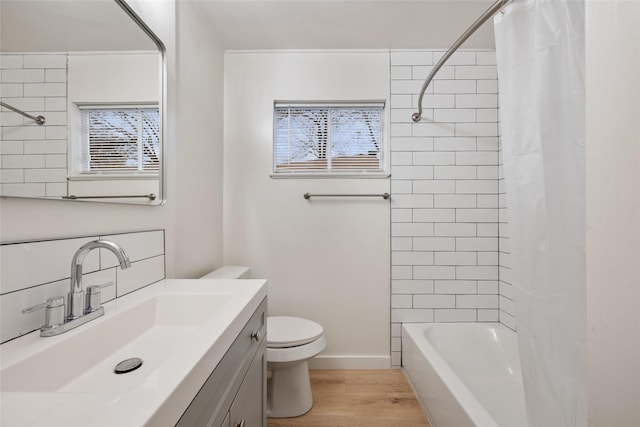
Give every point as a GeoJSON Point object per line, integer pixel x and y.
{"type": "Point", "coordinates": [287, 332]}
{"type": "Point", "coordinates": [296, 354]}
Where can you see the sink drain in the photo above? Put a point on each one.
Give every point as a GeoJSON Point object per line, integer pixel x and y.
{"type": "Point", "coordinates": [128, 365]}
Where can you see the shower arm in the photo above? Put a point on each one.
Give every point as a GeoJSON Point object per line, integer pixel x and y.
{"type": "Point", "coordinates": [38, 119]}
{"type": "Point", "coordinates": [495, 7]}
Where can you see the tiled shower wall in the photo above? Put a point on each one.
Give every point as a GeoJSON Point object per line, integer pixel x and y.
{"type": "Point", "coordinates": [445, 191]}
{"type": "Point", "coordinates": [34, 157]}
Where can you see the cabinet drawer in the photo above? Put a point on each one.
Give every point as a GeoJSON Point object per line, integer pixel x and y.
{"type": "Point", "coordinates": [210, 406]}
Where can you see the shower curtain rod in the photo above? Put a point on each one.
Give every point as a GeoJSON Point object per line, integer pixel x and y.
{"type": "Point", "coordinates": [495, 7]}
{"type": "Point", "coordinates": [39, 119]}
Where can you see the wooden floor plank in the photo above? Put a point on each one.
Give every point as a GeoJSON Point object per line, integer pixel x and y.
{"type": "Point", "coordinates": [359, 398]}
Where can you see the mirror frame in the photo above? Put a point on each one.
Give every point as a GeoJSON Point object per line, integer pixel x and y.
{"type": "Point", "coordinates": [161, 198]}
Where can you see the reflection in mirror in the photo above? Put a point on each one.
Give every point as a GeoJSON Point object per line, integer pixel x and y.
{"type": "Point", "coordinates": [94, 72]}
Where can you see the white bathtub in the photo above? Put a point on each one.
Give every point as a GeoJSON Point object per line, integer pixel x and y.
{"type": "Point", "coordinates": [465, 374]}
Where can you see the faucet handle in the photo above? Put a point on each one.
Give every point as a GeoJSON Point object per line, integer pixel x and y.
{"type": "Point", "coordinates": [54, 314]}
{"type": "Point", "coordinates": [93, 297]}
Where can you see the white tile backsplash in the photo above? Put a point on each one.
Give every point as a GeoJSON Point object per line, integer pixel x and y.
{"type": "Point", "coordinates": [13, 322]}
{"type": "Point", "coordinates": [451, 187]}
{"type": "Point", "coordinates": [31, 272]}
{"type": "Point", "coordinates": [146, 271]}
{"type": "Point", "coordinates": [34, 263]}
{"type": "Point", "coordinates": [139, 246]}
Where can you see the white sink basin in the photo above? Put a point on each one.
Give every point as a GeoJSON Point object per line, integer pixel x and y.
{"type": "Point", "coordinates": [179, 328]}
{"type": "Point", "coordinates": [152, 330]}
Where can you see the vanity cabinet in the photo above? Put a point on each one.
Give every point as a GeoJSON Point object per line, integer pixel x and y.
{"type": "Point", "coordinates": [235, 394]}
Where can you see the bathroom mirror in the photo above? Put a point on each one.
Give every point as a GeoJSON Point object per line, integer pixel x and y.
{"type": "Point", "coordinates": [95, 72]}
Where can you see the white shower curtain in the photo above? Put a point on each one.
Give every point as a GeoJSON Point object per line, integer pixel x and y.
{"type": "Point", "coordinates": [540, 52]}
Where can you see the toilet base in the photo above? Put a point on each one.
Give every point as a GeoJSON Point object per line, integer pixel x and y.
{"type": "Point", "coordinates": [288, 390]}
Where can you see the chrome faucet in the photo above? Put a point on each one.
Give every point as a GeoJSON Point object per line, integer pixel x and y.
{"type": "Point", "coordinates": [78, 313]}
{"type": "Point", "coordinates": [76, 308]}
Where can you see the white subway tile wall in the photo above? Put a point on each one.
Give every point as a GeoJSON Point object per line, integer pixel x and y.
{"type": "Point", "coordinates": [446, 200]}
{"type": "Point", "coordinates": [31, 272]}
{"type": "Point", "coordinates": [34, 161]}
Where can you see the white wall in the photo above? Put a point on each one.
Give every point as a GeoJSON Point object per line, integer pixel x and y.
{"type": "Point", "coordinates": [326, 259]}
{"type": "Point", "coordinates": [193, 241]}
{"type": "Point", "coordinates": [613, 212]}
{"type": "Point", "coordinates": [113, 78]}
{"type": "Point", "coordinates": [198, 180]}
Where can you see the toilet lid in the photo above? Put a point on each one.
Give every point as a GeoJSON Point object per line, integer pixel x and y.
{"type": "Point", "coordinates": [284, 331]}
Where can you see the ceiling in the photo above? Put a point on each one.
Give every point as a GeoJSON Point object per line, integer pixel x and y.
{"type": "Point", "coordinates": [345, 24]}
{"type": "Point", "coordinates": [68, 26]}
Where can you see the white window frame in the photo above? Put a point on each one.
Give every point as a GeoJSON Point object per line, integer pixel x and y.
{"type": "Point", "coordinates": [328, 173]}
{"type": "Point", "coordinates": [79, 147]}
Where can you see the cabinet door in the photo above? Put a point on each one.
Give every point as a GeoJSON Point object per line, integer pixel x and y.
{"type": "Point", "coordinates": [249, 404]}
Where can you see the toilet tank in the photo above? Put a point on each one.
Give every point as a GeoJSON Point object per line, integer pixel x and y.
{"type": "Point", "coordinates": [229, 272]}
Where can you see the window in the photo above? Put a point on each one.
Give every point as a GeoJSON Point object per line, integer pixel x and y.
{"type": "Point", "coordinates": [328, 139]}
{"type": "Point", "coordinates": [122, 140]}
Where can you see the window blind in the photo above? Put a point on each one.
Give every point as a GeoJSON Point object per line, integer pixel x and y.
{"type": "Point", "coordinates": [120, 140]}
{"type": "Point", "coordinates": [328, 138]}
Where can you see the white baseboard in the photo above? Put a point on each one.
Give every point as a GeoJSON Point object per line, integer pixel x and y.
{"type": "Point", "coordinates": [350, 362]}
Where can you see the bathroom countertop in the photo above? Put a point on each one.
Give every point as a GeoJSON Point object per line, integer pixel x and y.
{"type": "Point", "coordinates": [156, 394]}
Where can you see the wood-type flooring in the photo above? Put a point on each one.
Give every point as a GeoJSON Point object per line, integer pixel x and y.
{"type": "Point", "coordinates": [359, 398]}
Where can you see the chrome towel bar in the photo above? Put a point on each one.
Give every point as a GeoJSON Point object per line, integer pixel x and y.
{"type": "Point", "coordinates": [73, 197]}
{"type": "Point", "coordinates": [495, 7]}
{"type": "Point", "coordinates": [309, 195]}
{"type": "Point", "coordinates": [38, 119]}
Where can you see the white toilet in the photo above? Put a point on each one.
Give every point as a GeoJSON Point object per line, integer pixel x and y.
{"type": "Point", "coordinates": [291, 342]}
